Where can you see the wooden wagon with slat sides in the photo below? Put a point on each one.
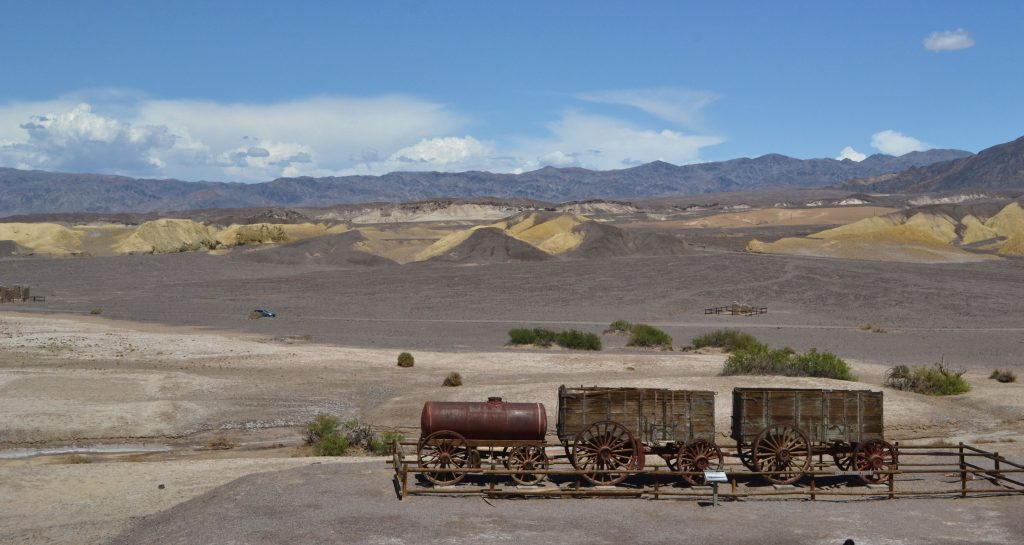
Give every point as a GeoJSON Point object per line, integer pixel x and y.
{"type": "Point", "coordinates": [782, 429]}
{"type": "Point", "coordinates": [616, 428]}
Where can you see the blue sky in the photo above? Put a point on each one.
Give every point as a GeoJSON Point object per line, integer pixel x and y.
{"type": "Point", "coordinates": [250, 91]}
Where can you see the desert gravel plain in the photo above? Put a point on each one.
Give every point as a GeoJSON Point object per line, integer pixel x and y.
{"type": "Point", "coordinates": [172, 363]}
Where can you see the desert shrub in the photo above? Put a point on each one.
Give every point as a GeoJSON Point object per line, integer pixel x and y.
{"type": "Point", "coordinates": [646, 335]}
{"type": "Point", "coordinates": [405, 359]}
{"type": "Point", "coordinates": [331, 445]}
{"type": "Point", "coordinates": [873, 328]}
{"type": "Point", "coordinates": [96, 311]}
{"type": "Point", "coordinates": [453, 379]}
{"type": "Point", "coordinates": [619, 326]}
{"type": "Point", "coordinates": [543, 337]}
{"type": "Point", "coordinates": [381, 445]}
{"type": "Point", "coordinates": [521, 336]}
{"type": "Point", "coordinates": [1003, 375]}
{"type": "Point", "coordinates": [762, 360]}
{"type": "Point", "coordinates": [321, 426]}
{"type": "Point", "coordinates": [578, 340]}
{"type": "Point", "coordinates": [820, 364]}
{"type": "Point", "coordinates": [936, 379]}
{"type": "Point", "coordinates": [726, 339]}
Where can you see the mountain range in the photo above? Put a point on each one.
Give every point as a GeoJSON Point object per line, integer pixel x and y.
{"type": "Point", "coordinates": [29, 192]}
{"type": "Point", "coordinates": [998, 167]}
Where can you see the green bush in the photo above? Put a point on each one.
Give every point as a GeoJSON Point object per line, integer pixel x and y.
{"type": "Point", "coordinates": [620, 326]}
{"type": "Point", "coordinates": [96, 311]}
{"type": "Point", "coordinates": [321, 426]}
{"type": "Point", "coordinates": [381, 445]}
{"type": "Point", "coordinates": [405, 359]}
{"type": "Point", "coordinates": [578, 340]}
{"type": "Point", "coordinates": [544, 337]}
{"type": "Point", "coordinates": [521, 336]}
{"type": "Point", "coordinates": [762, 360]}
{"type": "Point", "coordinates": [1003, 375]}
{"type": "Point", "coordinates": [331, 445]}
{"type": "Point", "coordinates": [726, 339]}
{"type": "Point", "coordinates": [645, 335]}
{"type": "Point", "coordinates": [936, 380]}
{"type": "Point", "coordinates": [453, 379]}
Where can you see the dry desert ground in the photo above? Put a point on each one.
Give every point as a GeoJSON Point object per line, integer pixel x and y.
{"type": "Point", "coordinates": [105, 419]}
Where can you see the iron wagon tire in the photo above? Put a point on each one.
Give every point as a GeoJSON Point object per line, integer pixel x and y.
{"type": "Point", "coordinates": [526, 458]}
{"type": "Point", "coordinates": [697, 456]}
{"type": "Point", "coordinates": [782, 449]}
{"type": "Point", "coordinates": [444, 449]}
{"type": "Point", "coordinates": [872, 456]}
{"type": "Point", "coordinates": [605, 445]}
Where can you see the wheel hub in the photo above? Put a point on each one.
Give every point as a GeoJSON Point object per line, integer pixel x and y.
{"type": "Point", "coordinates": [784, 455]}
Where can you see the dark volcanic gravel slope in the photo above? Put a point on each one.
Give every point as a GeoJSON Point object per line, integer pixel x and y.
{"type": "Point", "coordinates": [969, 314]}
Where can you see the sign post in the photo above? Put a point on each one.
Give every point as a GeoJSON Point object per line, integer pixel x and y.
{"type": "Point", "coordinates": [714, 477]}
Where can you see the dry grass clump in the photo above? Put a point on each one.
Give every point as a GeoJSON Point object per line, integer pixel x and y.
{"type": "Point", "coordinates": [873, 328]}
{"type": "Point", "coordinates": [936, 380]}
{"type": "Point", "coordinates": [619, 327]}
{"type": "Point", "coordinates": [453, 379]}
{"type": "Point", "coordinates": [405, 359]}
{"type": "Point", "coordinates": [1003, 375]}
{"type": "Point", "coordinates": [726, 339]}
{"type": "Point", "coordinates": [96, 311]}
{"type": "Point", "coordinates": [75, 459]}
{"type": "Point", "coordinates": [220, 443]}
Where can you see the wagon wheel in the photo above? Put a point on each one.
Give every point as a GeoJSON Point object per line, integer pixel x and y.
{"type": "Point", "coordinates": [698, 456]}
{"type": "Point", "coordinates": [842, 455]}
{"type": "Point", "coordinates": [872, 456]}
{"type": "Point", "coordinates": [527, 458]}
{"type": "Point", "coordinates": [444, 450]}
{"type": "Point", "coordinates": [782, 449]}
{"type": "Point", "coordinates": [745, 455]}
{"type": "Point", "coordinates": [605, 445]}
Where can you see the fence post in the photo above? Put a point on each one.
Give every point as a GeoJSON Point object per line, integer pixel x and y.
{"type": "Point", "coordinates": [812, 488]}
{"type": "Point", "coordinates": [995, 459]}
{"type": "Point", "coordinates": [963, 472]}
{"type": "Point", "coordinates": [656, 480]}
{"type": "Point", "coordinates": [892, 486]}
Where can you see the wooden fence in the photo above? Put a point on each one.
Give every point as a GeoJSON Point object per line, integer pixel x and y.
{"type": "Point", "coordinates": [924, 471]}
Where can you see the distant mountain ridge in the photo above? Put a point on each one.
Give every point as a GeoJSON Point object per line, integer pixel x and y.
{"type": "Point", "coordinates": [28, 192]}
{"type": "Point", "coordinates": [998, 167]}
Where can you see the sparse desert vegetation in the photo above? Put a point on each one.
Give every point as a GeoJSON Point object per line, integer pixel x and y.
{"type": "Point", "coordinates": [1003, 375]}
{"type": "Point", "coordinates": [571, 339]}
{"type": "Point", "coordinates": [728, 340]}
{"type": "Point", "coordinates": [648, 336]}
{"type": "Point", "coordinates": [618, 327]}
{"type": "Point", "coordinates": [324, 435]}
{"type": "Point", "coordinates": [220, 442]}
{"type": "Point", "coordinates": [937, 380]}
{"type": "Point", "coordinates": [453, 379]}
{"type": "Point", "coordinates": [762, 360]}
{"type": "Point", "coordinates": [405, 359]}
{"type": "Point", "coordinates": [874, 328]}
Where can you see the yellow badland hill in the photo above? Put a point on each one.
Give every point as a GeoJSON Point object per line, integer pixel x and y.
{"type": "Point", "coordinates": [256, 233]}
{"type": "Point", "coordinates": [167, 236]}
{"type": "Point", "coordinates": [554, 236]}
{"type": "Point", "coordinates": [975, 230]}
{"type": "Point", "coordinates": [43, 238]}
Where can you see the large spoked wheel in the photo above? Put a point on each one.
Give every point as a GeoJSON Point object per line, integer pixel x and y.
{"type": "Point", "coordinates": [873, 456]}
{"type": "Point", "coordinates": [697, 457]}
{"type": "Point", "coordinates": [842, 455]}
{"type": "Point", "coordinates": [444, 451]}
{"type": "Point", "coordinates": [605, 446]}
{"type": "Point", "coordinates": [783, 450]}
{"type": "Point", "coordinates": [527, 458]}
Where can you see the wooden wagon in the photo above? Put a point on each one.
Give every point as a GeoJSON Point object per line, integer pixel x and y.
{"type": "Point", "coordinates": [610, 429]}
{"type": "Point", "coordinates": [781, 429]}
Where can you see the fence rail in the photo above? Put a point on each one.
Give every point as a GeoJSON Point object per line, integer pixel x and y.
{"type": "Point", "coordinates": [737, 310]}
{"type": "Point", "coordinates": [924, 471]}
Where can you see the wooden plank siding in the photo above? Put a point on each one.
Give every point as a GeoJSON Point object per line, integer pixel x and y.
{"type": "Point", "coordinates": [652, 415]}
{"type": "Point", "coordinates": [826, 416]}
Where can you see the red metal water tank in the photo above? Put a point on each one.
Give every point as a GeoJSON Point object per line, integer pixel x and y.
{"type": "Point", "coordinates": [493, 420]}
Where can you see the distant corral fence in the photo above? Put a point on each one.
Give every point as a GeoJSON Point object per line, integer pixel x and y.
{"type": "Point", "coordinates": [14, 294]}
{"type": "Point", "coordinates": [737, 309]}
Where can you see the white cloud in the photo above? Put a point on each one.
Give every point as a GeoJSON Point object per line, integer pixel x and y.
{"type": "Point", "coordinates": [851, 154]}
{"type": "Point", "coordinates": [601, 142]}
{"type": "Point", "coordinates": [896, 143]}
{"type": "Point", "coordinates": [679, 106]}
{"type": "Point", "coordinates": [948, 40]}
{"type": "Point", "coordinates": [129, 133]}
